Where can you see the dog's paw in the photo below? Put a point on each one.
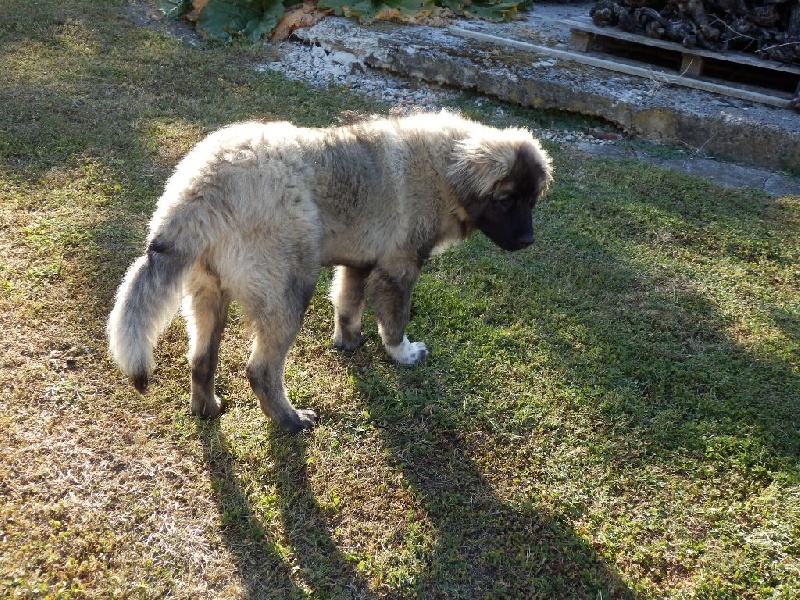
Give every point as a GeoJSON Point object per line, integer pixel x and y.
{"type": "Point", "coordinates": [408, 353]}
{"type": "Point", "coordinates": [210, 409]}
{"type": "Point", "coordinates": [347, 343]}
{"type": "Point", "coordinates": [301, 419]}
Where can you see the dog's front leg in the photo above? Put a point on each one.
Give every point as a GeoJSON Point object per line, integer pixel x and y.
{"type": "Point", "coordinates": [389, 287]}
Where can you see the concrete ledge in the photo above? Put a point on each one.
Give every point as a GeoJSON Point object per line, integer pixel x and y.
{"type": "Point", "coordinates": [744, 131]}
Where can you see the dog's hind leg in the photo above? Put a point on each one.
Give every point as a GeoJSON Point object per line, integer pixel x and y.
{"type": "Point", "coordinates": [349, 299]}
{"type": "Point", "coordinates": [389, 287]}
{"type": "Point", "coordinates": [276, 328]}
{"type": "Point", "coordinates": [205, 310]}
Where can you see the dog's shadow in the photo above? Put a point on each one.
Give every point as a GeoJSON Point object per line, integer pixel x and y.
{"type": "Point", "coordinates": [261, 564]}
{"type": "Point", "coordinates": [484, 547]}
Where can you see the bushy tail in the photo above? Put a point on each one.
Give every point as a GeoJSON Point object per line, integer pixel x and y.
{"type": "Point", "coordinates": [147, 299]}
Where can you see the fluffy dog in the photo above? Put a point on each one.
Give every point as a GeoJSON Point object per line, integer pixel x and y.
{"type": "Point", "coordinates": [254, 211]}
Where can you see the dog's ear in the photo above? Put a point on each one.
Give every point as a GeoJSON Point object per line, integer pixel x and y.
{"type": "Point", "coordinates": [477, 164]}
{"type": "Point", "coordinates": [490, 161]}
{"type": "Point", "coordinates": [533, 171]}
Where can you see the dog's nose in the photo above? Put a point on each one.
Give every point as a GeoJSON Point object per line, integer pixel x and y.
{"type": "Point", "coordinates": [524, 241]}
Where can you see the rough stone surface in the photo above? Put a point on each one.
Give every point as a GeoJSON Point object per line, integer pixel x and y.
{"type": "Point", "coordinates": [745, 131]}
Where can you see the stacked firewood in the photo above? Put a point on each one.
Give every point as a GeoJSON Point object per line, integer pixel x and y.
{"type": "Point", "coordinates": [769, 28]}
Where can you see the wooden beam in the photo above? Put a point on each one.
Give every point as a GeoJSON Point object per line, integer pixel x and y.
{"type": "Point", "coordinates": [628, 68]}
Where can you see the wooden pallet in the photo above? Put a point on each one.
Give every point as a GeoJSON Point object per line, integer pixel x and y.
{"type": "Point", "coordinates": [731, 69]}
{"type": "Point", "coordinates": [637, 68]}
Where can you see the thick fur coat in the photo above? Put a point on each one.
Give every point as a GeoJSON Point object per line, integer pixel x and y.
{"type": "Point", "coordinates": [255, 209]}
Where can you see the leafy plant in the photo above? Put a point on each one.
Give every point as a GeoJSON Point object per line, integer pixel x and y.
{"type": "Point", "coordinates": [228, 19]}
{"type": "Point", "coordinates": [253, 19]}
{"type": "Point", "coordinates": [174, 8]}
{"type": "Point", "coordinates": [416, 10]}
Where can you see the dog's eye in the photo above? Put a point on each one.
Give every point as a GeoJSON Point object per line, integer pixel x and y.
{"type": "Point", "coordinates": [505, 200]}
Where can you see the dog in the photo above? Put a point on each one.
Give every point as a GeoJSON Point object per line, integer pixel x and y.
{"type": "Point", "coordinates": [255, 209]}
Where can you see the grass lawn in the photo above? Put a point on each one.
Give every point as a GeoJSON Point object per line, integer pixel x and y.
{"type": "Point", "coordinates": [614, 413]}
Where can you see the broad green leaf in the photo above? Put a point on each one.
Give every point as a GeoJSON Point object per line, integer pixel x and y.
{"type": "Point", "coordinates": [252, 19]}
{"type": "Point", "coordinates": [256, 28]}
{"type": "Point", "coordinates": [226, 19]}
{"type": "Point", "coordinates": [504, 11]}
{"type": "Point", "coordinates": [352, 8]}
{"type": "Point", "coordinates": [367, 10]}
{"type": "Point", "coordinates": [173, 9]}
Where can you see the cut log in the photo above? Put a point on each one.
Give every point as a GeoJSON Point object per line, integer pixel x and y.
{"type": "Point", "coordinates": [769, 28]}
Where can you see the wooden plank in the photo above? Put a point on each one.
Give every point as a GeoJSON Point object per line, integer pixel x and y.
{"type": "Point", "coordinates": [580, 40]}
{"type": "Point", "coordinates": [735, 57]}
{"type": "Point", "coordinates": [629, 69]}
{"type": "Point", "coordinates": [691, 66]}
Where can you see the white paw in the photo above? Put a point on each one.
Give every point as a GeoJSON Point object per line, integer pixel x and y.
{"type": "Point", "coordinates": [408, 353]}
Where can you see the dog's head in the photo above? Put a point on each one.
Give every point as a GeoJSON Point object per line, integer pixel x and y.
{"type": "Point", "coordinates": [498, 175]}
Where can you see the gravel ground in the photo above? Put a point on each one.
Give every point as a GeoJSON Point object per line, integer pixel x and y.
{"type": "Point", "coordinates": [322, 68]}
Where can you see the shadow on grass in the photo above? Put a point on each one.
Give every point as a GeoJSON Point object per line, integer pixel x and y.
{"type": "Point", "coordinates": [663, 357]}
{"type": "Point", "coordinates": [328, 571]}
{"type": "Point", "coordinates": [268, 562]}
{"type": "Point", "coordinates": [484, 546]}
{"type": "Point", "coordinates": [259, 563]}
